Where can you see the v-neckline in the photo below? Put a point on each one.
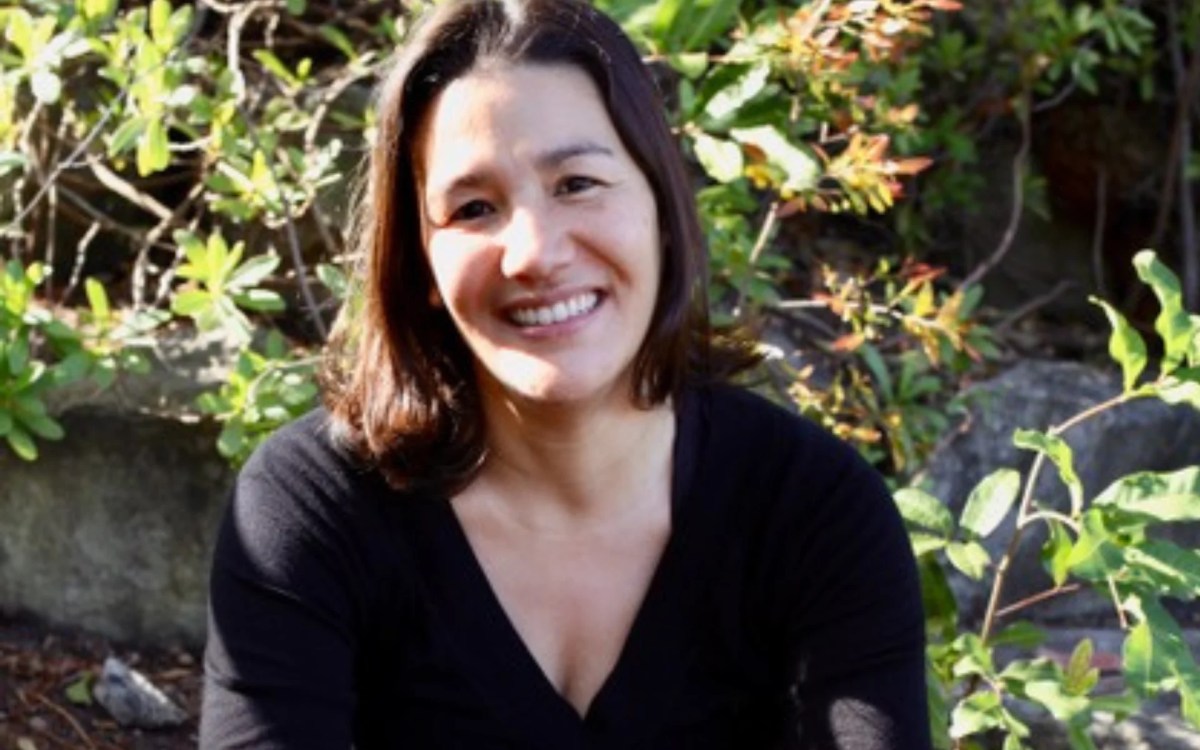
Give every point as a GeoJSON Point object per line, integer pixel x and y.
{"type": "Point", "coordinates": [502, 665]}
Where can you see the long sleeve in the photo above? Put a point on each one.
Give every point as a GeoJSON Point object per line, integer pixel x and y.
{"type": "Point", "coordinates": [860, 665]}
{"type": "Point", "coordinates": [285, 601]}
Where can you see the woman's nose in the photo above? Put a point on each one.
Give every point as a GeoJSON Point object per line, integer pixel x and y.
{"type": "Point", "coordinates": [534, 244]}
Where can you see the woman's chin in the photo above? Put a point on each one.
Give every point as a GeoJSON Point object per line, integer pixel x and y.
{"type": "Point", "coordinates": [563, 389]}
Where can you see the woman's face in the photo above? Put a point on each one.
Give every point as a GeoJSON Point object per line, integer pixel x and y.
{"type": "Point", "coordinates": [540, 230]}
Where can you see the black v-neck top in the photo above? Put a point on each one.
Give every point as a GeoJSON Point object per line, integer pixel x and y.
{"type": "Point", "coordinates": [784, 612]}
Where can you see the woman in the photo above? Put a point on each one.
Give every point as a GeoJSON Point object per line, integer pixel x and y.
{"type": "Point", "coordinates": [529, 516]}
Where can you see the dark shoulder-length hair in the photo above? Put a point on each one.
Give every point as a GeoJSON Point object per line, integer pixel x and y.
{"type": "Point", "coordinates": [398, 379]}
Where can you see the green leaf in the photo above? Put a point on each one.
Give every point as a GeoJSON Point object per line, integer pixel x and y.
{"type": "Point", "coordinates": [126, 135]}
{"type": "Point", "coordinates": [272, 63]}
{"type": "Point", "coordinates": [800, 168]}
{"type": "Point", "coordinates": [12, 160]}
{"type": "Point", "coordinates": [707, 26]}
{"type": "Point", "coordinates": [1173, 569]}
{"type": "Point", "coordinates": [937, 599]}
{"type": "Point", "coordinates": [153, 152]}
{"type": "Point", "coordinates": [1080, 676]}
{"type": "Point", "coordinates": [721, 159]}
{"type": "Point", "coordinates": [1094, 555]}
{"type": "Point", "coordinates": [970, 558]}
{"type": "Point", "coordinates": [1189, 695]}
{"type": "Point", "coordinates": [97, 299]}
{"type": "Point", "coordinates": [1154, 651]}
{"type": "Point", "coordinates": [923, 543]}
{"type": "Point", "coordinates": [42, 426]}
{"type": "Point", "coordinates": [990, 502]}
{"type": "Point", "coordinates": [1172, 323]}
{"type": "Point", "coordinates": [334, 279]}
{"type": "Point", "coordinates": [259, 300]}
{"type": "Point", "coordinates": [1153, 496]}
{"type": "Point", "coordinates": [46, 86]}
{"type": "Point", "coordinates": [253, 271]}
{"type": "Point", "coordinates": [20, 32]}
{"type": "Point", "coordinates": [79, 692]}
{"type": "Point", "coordinates": [232, 439]}
{"type": "Point", "coordinates": [728, 100]}
{"type": "Point", "coordinates": [1020, 634]}
{"type": "Point", "coordinates": [18, 356]}
{"type": "Point", "coordinates": [1056, 553]}
{"type": "Point", "coordinates": [1058, 451]}
{"type": "Point", "coordinates": [21, 443]}
{"type": "Point", "coordinates": [976, 713]}
{"type": "Point", "coordinates": [923, 510]}
{"type": "Point", "coordinates": [691, 64]}
{"type": "Point", "coordinates": [6, 422]}
{"type": "Point", "coordinates": [191, 302]}
{"type": "Point", "coordinates": [339, 40]}
{"type": "Point", "coordinates": [1062, 705]}
{"type": "Point", "coordinates": [1077, 734]}
{"type": "Point", "coordinates": [160, 19]}
{"type": "Point", "coordinates": [1125, 345]}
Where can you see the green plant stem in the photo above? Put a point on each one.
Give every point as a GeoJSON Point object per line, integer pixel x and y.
{"type": "Point", "coordinates": [1048, 515]}
{"type": "Point", "coordinates": [1023, 512]}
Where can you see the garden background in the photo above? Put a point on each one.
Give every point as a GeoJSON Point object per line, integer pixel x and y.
{"type": "Point", "coordinates": [964, 234]}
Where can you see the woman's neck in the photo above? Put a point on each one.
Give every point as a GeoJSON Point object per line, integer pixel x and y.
{"type": "Point", "coordinates": [557, 466]}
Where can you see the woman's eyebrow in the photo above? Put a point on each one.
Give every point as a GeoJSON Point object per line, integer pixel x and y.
{"type": "Point", "coordinates": [556, 156]}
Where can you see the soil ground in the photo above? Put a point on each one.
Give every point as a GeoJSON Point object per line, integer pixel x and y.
{"type": "Point", "coordinates": [37, 666]}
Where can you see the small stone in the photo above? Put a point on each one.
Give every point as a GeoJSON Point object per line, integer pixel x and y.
{"type": "Point", "coordinates": [133, 700]}
{"type": "Point", "coordinates": [39, 724]}
{"type": "Point", "coordinates": [184, 659]}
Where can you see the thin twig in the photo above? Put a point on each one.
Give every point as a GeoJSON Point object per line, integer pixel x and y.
{"type": "Point", "coordinates": [70, 719]}
{"type": "Point", "coordinates": [69, 163]}
{"type": "Point", "coordinates": [1186, 84]}
{"type": "Point", "coordinates": [1187, 87]}
{"type": "Point", "coordinates": [1052, 515]}
{"type": "Point", "coordinates": [306, 292]}
{"type": "Point", "coordinates": [80, 256]}
{"type": "Point", "coordinates": [1098, 231]}
{"type": "Point", "coordinates": [128, 191]}
{"type": "Point", "coordinates": [1029, 601]}
{"type": "Point", "coordinates": [1018, 198]}
{"type": "Point", "coordinates": [1116, 597]}
{"type": "Point", "coordinates": [152, 237]}
{"type": "Point", "coordinates": [1033, 305]}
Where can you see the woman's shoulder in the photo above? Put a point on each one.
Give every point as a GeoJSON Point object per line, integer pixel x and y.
{"type": "Point", "coordinates": [301, 478]}
{"type": "Point", "coordinates": [745, 421]}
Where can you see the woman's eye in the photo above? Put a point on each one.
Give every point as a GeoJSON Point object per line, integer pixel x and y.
{"type": "Point", "coordinates": [575, 184]}
{"type": "Point", "coordinates": [471, 210]}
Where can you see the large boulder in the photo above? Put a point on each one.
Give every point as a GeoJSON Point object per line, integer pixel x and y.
{"type": "Point", "coordinates": [111, 529]}
{"type": "Point", "coordinates": [1138, 436]}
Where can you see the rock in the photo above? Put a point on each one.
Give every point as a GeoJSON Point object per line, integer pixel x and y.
{"type": "Point", "coordinates": [1144, 435]}
{"type": "Point", "coordinates": [111, 529]}
{"type": "Point", "coordinates": [133, 700]}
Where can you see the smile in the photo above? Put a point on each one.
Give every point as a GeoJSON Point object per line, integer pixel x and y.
{"type": "Point", "coordinates": [559, 312]}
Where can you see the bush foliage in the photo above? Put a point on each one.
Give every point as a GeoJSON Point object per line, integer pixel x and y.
{"type": "Point", "coordinates": [173, 165]}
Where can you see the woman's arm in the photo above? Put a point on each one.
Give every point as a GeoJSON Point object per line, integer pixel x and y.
{"type": "Point", "coordinates": [858, 625]}
{"type": "Point", "coordinates": [284, 599]}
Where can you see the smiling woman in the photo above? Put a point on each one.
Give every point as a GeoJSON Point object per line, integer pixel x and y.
{"type": "Point", "coordinates": [531, 515]}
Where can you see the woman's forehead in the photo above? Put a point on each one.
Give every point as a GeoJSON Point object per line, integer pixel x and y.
{"type": "Point", "coordinates": [542, 114]}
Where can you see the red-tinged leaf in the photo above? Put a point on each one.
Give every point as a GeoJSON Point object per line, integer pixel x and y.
{"type": "Point", "coordinates": [945, 4]}
{"type": "Point", "coordinates": [877, 147]}
{"type": "Point", "coordinates": [794, 206]}
{"type": "Point", "coordinates": [848, 342]}
{"type": "Point", "coordinates": [910, 166]}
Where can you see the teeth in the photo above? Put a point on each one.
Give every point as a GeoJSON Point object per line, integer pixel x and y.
{"type": "Point", "coordinates": [558, 312]}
